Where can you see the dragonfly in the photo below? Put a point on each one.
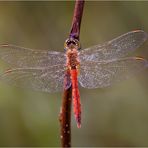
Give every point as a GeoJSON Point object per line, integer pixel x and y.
{"type": "Point", "coordinates": [98, 66]}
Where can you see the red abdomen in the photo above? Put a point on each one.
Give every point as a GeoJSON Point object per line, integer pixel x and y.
{"type": "Point", "coordinates": [76, 96]}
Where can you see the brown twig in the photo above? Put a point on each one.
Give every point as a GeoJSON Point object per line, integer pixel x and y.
{"type": "Point", "coordinates": [65, 113]}
{"type": "Point", "coordinates": [76, 22]}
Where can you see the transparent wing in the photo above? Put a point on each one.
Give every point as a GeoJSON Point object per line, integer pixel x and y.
{"type": "Point", "coordinates": [103, 74]}
{"type": "Point", "coordinates": [41, 79]}
{"type": "Point", "coordinates": [116, 48]}
{"type": "Point", "coordinates": [25, 57]}
{"type": "Point", "coordinates": [38, 69]}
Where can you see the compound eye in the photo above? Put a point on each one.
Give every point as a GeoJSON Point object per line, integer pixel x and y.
{"type": "Point", "coordinates": [72, 41]}
{"type": "Point", "coordinates": [66, 43]}
{"type": "Point", "coordinates": [77, 43]}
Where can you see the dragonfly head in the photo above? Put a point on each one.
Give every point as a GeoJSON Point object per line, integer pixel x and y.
{"type": "Point", "coordinates": [71, 43]}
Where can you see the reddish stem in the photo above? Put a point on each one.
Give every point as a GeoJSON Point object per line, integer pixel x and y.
{"type": "Point", "coordinates": [65, 114]}
{"type": "Point", "coordinates": [76, 22]}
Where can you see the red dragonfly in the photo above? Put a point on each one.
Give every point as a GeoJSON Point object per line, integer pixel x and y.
{"type": "Point", "coordinates": [95, 67]}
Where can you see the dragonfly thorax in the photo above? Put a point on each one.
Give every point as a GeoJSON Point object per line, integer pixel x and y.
{"type": "Point", "coordinates": [72, 58]}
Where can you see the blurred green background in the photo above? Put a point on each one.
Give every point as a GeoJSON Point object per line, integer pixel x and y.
{"type": "Point", "coordinates": [116, 116]}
